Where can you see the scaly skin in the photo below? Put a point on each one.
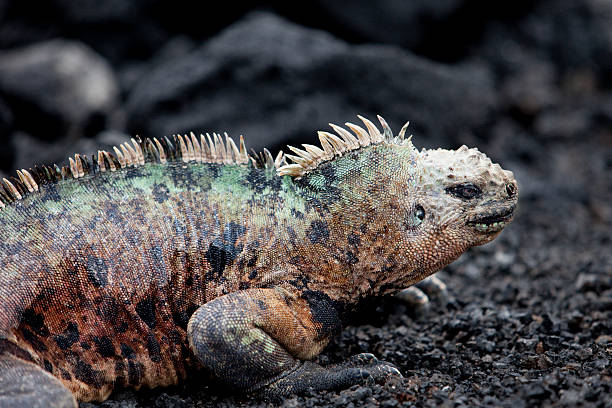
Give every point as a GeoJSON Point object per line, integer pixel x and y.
{"type": "Point", "coordinates": [134, 277]}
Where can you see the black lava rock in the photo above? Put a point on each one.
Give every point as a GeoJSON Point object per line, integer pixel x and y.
{"type": "Point", "coordinates": [251, 80]}
{"type": "Point", "coordinates": [58, 89]}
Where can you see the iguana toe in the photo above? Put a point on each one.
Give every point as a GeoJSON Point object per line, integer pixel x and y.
{"type": "Point", "coordinates": [420, 296]}
{"type": "Point", "coordinates": [360, 369]}
{"type": "Point", "coordinates": [434, 287]}
{"type": "Point", "coordinates": [415, 299]}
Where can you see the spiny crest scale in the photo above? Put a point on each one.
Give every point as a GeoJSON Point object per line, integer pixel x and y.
{"type": "Point", "coordinates": [307, 160]}
{"type": "Point", "coordinates": [187, 148]}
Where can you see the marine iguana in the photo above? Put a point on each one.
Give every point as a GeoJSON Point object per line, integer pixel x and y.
{"type": "Point", "coordinates": [130, 269]}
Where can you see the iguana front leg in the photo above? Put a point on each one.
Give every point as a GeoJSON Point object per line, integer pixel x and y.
{"type": "Point", "coordinates": [259, 339]}
{"type": "Point", "coordinates": [418, 296]}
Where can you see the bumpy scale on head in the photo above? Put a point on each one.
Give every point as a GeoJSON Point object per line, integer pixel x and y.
{"type": "Point", "coordinates": [484, 191]}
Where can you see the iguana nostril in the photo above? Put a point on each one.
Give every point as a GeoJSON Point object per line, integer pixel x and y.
{"type": "Point", "coordinates": [510, 189]}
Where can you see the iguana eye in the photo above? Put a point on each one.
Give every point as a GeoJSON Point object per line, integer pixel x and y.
{"type": "Point", "coordinates": [414, 218]}
{"type": "Point", "coordinates": [419, 213]}
{"type": "Point", "coordinates": [465, 191]}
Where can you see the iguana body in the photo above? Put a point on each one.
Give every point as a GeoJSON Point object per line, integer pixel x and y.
{"type": "Point", "coordinates": [134, 268]}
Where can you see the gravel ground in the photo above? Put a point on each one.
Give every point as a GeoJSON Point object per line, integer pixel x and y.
{"type": "Point", "coordinates": [528, 319]}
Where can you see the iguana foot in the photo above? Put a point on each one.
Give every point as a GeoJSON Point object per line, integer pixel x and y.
{"type": "Point", "coordinates": [419, 296]}
{"type": "Point", "coordinates": [359, 369]}
{"type": "Point", "coordinates": [24, 384]}
{"type": "Point", "coordinates": [260, 340]}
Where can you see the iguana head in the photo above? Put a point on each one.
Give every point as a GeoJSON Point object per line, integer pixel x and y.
{"type": "Point", "coordinates": [461, 199]}
{"type": "Point", "coordinates": [413, 211]}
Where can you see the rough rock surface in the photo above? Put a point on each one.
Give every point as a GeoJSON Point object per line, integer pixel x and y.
{"type": "Point", "coordinates": [251, 71]}
{"type": "Point", "coordinates": [58, 88]}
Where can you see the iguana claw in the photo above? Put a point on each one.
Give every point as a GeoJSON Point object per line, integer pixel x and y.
{"type": "Point", "coordinates": [419, 296]}
{"type": "Point", "coordinates": [362, 368]}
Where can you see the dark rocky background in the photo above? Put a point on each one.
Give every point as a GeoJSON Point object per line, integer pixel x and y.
{"type": "Point", "coordinates": [529, 319]}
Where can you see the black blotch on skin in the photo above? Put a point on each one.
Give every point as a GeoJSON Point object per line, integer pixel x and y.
{"type": "Point", "coordinates": [297, 214]}
{"type": "Point", "coordinates": [175, 337]}
{"type": "Point", "coordinates": [153, 348]}
{"type": "Point", "coordinates": [328, 172]}
{"type": "Point", "coordinates": [35, 321]}
{"type": "Point", "coordinates": [97, 271]}
{"type": "Point", "coordinates": [253, 274]}
{"type": "Point", "coordinates": [291, 233]}
{"type": "Point", "coordinates": [327, 192]}
{"type": "Point", "coordinates": [47, 293]}
{"type": "Point", "coordinates": [252, 261]}
{"type": "Point", "coordinates": [127, 351]}
{"type": "Point", "coordinates": [146, 310]}
{"type": "Point", "coordinates": [351, 258]}
{"type": "Point", "coordinates": [301, 282]}
{"type": "Point", "coordinates": [244, 285]}
{"type": "Point", "coordinates": [353, 239]}
{"type": "Point", "coordinates": [66, 375]}
{"type": "Point", "coordinates": [48, 365]}
{"type": "Point", "coordinates": [295, 260]}
{"type": "Point", "coordinates": [218, 258]}
{"type": "Point", "coordinates": [160, 192]}
{"type": "Point", "coordinates": [113, 214]}
{"type": "Point", "coordinates": [363, 228]}
{"type": "Point", "coordinates": [318, 232]}
{"type": "Point", "coordinates": [323, 312]}
{"type": "Point", "coordinates": [68, 336]}
{"type": "Point", "coordinates": [223, 250]}
{"type": "Point", "coordinates": [262, 305]}
{"type": "Point", "coordinates": [33, 340]}
{"type": "Point", "coordinates": [8, 347]}
{"type": "Point", "coordinates": [134, 372]}
{"type": "Point", "coordinates": [189, 281]}
{"type": "Point", "coordinates": [85, 346]}
{"type": "Point", "coordinates": [84, 372]}
{"type": "Point", "coordinates": [257, 180]}
{"type": "Point", "coordinates": [181, 177]}
{"type": "Point", "coordinates": [50, 193]}
{"type": "Point", "coordinates": [104, 346]}
{"type": "Point", "coordinates": [180, 319]}
{"type": "Point", "coordinates": [120, 374]}
{"type": "Point", "coordinates": [156, 256]}
{"type": "Point", "coordinates": [122, 327]}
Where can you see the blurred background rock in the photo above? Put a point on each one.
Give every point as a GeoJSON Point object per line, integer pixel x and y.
{"type": "Point", "coordinates": [528, 82]}
{"type": "Point", "coordinates": [461, 71]}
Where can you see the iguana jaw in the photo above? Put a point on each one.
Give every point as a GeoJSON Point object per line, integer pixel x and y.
{"type": "Point", "coordinates": [492, 222]}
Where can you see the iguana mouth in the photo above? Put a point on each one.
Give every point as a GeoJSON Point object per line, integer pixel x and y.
{"type": "Point", "coordinates": [492, 222]}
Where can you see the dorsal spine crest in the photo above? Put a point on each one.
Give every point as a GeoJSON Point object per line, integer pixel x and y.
{"type": "Point", "coordinates": [186, 148]}
{"type": "Point", "coordinates": [213, 148]}
{"type": "Point", "coordinates": [307, 160]}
